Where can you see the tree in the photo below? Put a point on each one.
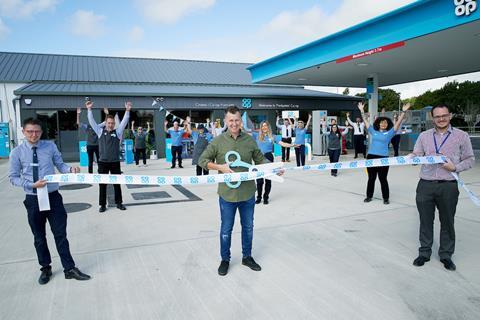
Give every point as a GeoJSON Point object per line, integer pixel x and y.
{"type": "Point", "coordinates": [388, 99]}
{"type": "Point", "coordinates": [346, 91]}
{"type": "Point", "coordinates": [471, 115]}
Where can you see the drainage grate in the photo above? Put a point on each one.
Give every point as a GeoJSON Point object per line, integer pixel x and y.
{"type": "Point", "coordinates": [75, 186]}
{"type": "Point", "coordinates": [76, 207]}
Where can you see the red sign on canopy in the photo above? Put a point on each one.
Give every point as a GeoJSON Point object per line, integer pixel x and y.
{"type": "Point", "coordinates": [371, 51]}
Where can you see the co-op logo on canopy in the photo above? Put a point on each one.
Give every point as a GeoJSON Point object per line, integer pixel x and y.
{"type": "Point", "coordinates": [464, 7]}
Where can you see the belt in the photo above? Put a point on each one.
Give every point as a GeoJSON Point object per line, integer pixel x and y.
{"type": "Point", "coordinates": [34, 195]}
{"type": "Point", "coordinates": [438, 181]}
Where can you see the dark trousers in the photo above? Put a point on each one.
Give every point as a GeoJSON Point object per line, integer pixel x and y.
{"type": "Point", "coordinates": [396, 144]}
{"type": "Point", "coordinates": [286, 151]}
{"type": "Point", "coordinates": [359, 143]}
{"type": "Point", "coordinates": [91, 150]}
{"type": "Point", "coordinates": [113, 168]}
{"type": "Point", "coordinates": [143, 152]}
{"type": "Point", "coordinates": [443, 196]}
{"type": "Point", "coordinates": [334, 155]}
{"type": "Point", "coordinates": [201, 171]}
{"type": "Point", "coordinates": [176, 154]}
{"type": "Point", "coordinates": [57, 218]}
{"type": "Point", "coordinates": [268, 183]}
{"type": "Point", "coordinates": [300, 155]}
{"type": "Point", "coordinates": [382, 173]}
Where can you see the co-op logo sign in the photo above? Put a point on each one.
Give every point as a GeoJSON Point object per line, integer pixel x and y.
{"type": "Point", "coordinates": [464, 7]}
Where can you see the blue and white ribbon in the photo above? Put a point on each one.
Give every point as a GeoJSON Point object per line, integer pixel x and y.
{"type": "Point", "coordinates": [475, 199]}
{"type": "Point", "coordinates": [380, 162]}
{"type": "Point", "coordinates": [157, 180]}
{"type": "Point", "coordinates": [44, 204]}
{"type": "Point", "coordinates": [367, 163]}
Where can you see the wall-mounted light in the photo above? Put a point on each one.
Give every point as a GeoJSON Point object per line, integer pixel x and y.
{"type": "Point", "coordinates": [302, 79]}
{"type": "Point", "coordinates": [28, 101]}
{"type": "Point", "coordinates": [442, 70]}
{"type": "Point", "coordinates": [363, 64]}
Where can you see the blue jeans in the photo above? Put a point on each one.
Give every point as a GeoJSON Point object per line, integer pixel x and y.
{"type": "Point", "coordinates": [227, 212]}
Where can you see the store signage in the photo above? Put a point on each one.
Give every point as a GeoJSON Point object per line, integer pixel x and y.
{"type": "Point", "coordinates": [246, 103]}
{"type": "Point", "coordinates": [290, 114]}
{"type": "Point", "coordinates": [464, 7]}
{"type": "Point", "coordinates": [371, 51]}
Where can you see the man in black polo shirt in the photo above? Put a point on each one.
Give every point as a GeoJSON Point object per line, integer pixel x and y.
{"type": "Point", "coordinates": [109, 140]}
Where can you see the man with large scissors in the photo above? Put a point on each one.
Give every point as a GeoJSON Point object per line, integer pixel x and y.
{"type": "Point", "coordinates": [234, 151]}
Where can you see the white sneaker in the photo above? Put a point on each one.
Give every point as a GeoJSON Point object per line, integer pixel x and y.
{"type": "Point", "coordinates": [145, 165]}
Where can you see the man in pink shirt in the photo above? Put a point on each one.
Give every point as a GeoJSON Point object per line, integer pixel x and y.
{"type": "Point", "coordinates": [437, 187]}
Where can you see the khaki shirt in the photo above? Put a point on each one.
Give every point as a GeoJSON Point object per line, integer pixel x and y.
{"type": "Point", "coordinates": [246, 146]}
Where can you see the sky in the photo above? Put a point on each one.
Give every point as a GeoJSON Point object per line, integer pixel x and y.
{"type": "Point", "coordinates": [215, 30]}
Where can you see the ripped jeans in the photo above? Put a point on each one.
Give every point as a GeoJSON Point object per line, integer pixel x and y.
{"type": "Point", "coordinates": [227, 212]}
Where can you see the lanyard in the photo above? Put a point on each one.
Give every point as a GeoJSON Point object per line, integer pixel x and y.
{"type": "Point", "coordinates": [437, 149]}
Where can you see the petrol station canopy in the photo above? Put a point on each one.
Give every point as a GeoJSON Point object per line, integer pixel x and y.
{"type": "Point", "coordinates": [423, 40]}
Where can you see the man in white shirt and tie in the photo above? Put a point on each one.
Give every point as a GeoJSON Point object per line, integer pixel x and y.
{"type": "Point", "coordinates": [286, 129]}
{"type": "Point", "coordinates": [358, 135]}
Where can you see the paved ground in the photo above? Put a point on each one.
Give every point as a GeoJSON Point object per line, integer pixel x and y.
{"type": "Point", "coordinates": [325, 255]}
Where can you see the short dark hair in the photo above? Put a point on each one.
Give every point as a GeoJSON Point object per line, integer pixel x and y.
{"type": "Point", "coordinates": [440, 106]}
{"type": "Point", "coordinates": [376, 124]}
{"type": "Point", "coordinates": [109, 116]}
{"type": "Point", "coordinates": [32, 121]}
{"type": "Point", "coordinates": [232, 110]}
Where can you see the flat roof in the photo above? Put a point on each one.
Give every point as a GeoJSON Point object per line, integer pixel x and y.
{"type": "Point", "coordinates": [423, 40]}
{"type": "Point", "coordinates": [187, 90]}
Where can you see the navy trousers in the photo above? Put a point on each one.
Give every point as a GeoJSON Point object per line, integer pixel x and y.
{"type": "Point", "coordinates": [57, 218]}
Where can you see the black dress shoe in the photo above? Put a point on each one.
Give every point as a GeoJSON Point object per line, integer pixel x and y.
{"type": "Point", "coordinates": [448, 264]}
{"type": "Point", "coordinates": [265, 200]}
{"type": "Point", "coordinates": [180, 166]}
{"type": "Point", "coordinates": [102, 209]}
{"type": "Point", "coordinates": [367, 199]}
{"type": "Point", "coordinates": [121, 207]}
{"type": "Point", "coordinates": [223, 268]}
{"type": "Point", "coordinates": [420, 261]}
{"type": "Point", "coordinates": [386, 201]}
{"type": "Point", "coordinates": [76, 274]}
{"type": "Point", "coordinates": [172, 167]}
{"type": "Point", "coordinates": [258, 200]}
{"type": "Point", "coordinates": [249, 262]}
{"type": "Point", "coordinates": [45, 275]}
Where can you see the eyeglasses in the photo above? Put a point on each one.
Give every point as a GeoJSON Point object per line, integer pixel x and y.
{"type": "Point", "coordinates": [443, 116]}
{"type": "Point", "coordinates": [33, 131]}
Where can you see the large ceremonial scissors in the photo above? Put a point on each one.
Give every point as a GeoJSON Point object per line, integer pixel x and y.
{"type": "Point", "coordinates": [233, 159]}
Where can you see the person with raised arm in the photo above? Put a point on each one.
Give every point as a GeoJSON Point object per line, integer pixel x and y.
{"type": "Point", "coordinates": [92, 139]}
{"type": "Point", "coordinates": [201, 138]}
{"type": "Point", "coordinates": [140, 145]}
{"type": "Point", "coordinates": [287, 133]}
{"type": "Point", "coordinates": [358, 135]}
{"type": "Point", "coordinates": [381, 132]}
{"type": "Point", "coordinates": [265, 141]}
{"type": "Point", "coordinates": [176, 134]}
{"type": "Point", "coordinates": [300, 132]}
{"type": "Point", "coordinates": [334, 143]}
{"type": "Point", "coordinates": [109, 140]}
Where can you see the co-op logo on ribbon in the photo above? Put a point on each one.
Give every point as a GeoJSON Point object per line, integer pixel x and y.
{"type": "Point", "coordinates": [464, 7]}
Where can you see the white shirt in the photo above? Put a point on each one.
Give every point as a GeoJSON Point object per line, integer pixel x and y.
{"type": "Point", "coordinates": [358, 128]}
{"type": "Point", "coordinates": [286, 130]}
